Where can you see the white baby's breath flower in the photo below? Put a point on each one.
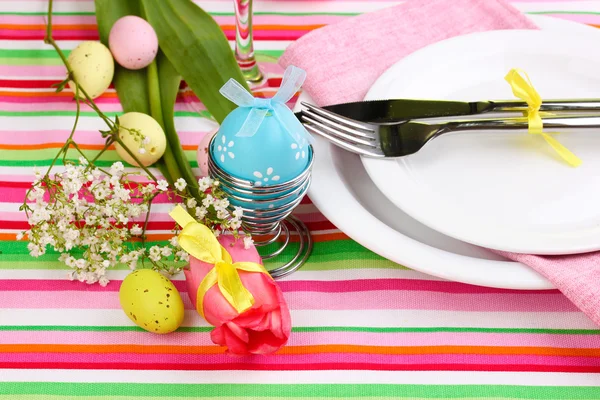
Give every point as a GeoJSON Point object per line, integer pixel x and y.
{"type": "Point", "coordinates": [248, 242]}
{"type": "Point", "coordinates": [191, 203]}
{"type": "Point", "coordinates": [222, 214]}
{"type": "Point", "coordinates": [235, 224]}
{"type": "Point", "coordinates": [208, 201]}
{"type": "Point", "coordinates": [237, 212]}
{"type": "Point", "coordinates": [20, 235]}
{"type": "Point", "coordinates": [174, 241]}
{"type": "Point", "coordinates": [204, 183]}
{"type": "Point", "coordinates": [117, 168]}
{"type": "Point", "coordinates": [183, 256]}
{"type": "Point", "coordinates": [166, 251]}
{"type": "Point", "coordinates": [180, 184]}
{"type": "Point", "coordinates": [149, 188]}
{"type": "Point", "coordinates": [142, 150]}
{"type": "Point", "coordinates": [163, 185]}
{"type": "Point", "coordinates": [154, 253]}
{"type": "Point", "coordinates": [201, 212]}
{"type": "Point", "coordinates": [136, 230]}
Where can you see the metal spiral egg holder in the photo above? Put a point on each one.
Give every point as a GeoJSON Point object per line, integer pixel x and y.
{"type": "Point", "coordinates": [268, 212]}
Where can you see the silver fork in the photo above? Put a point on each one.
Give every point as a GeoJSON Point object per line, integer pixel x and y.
{"type": "Point", "coordinates": [401, 138]}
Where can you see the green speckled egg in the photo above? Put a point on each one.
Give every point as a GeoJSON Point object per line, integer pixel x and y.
{"type": "Point", "coordinates": [151, 301]}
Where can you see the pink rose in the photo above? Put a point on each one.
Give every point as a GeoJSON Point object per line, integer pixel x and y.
{"type": "Point", "coordinates": [263, 328]}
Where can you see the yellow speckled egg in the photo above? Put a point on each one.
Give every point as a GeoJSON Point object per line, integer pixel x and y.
{"type": "Point", "coordinates": [151, 301]}
{"type": "Point", "coordinates": [143, 136]}
{"type": "Point", "coordinates": [93, 67]}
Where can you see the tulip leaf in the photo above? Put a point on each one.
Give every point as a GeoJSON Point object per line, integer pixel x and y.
{"type": "Point", "coordinates": [169, 81]}
{"type": "Point", "coordinates": [197, 48]}
{"type": "Point", "coordinates": [131, 85]}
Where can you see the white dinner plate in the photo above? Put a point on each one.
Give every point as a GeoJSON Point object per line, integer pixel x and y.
{"type": "Point", "coordinates": [343, 192]}
{"type": "Point", "coordinates": [501, 190]}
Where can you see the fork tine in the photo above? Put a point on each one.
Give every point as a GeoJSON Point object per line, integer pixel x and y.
{"type": "Point", "coordinates": [338, 118]}
{"type": "Point", "coordinates": [333, 124]}
{"type": "Point", "coordinates": [343, 144]}
{"type": "Point", "coordinates": [334, 130]}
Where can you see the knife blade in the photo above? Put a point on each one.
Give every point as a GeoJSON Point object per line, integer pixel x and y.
{"type": "Point", "coordinates": [399, 109]}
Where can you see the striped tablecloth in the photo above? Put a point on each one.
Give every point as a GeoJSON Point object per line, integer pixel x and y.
{"type": "Point", "coordinates": [363, 326]}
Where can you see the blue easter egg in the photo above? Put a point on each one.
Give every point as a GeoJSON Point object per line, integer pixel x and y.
{"type": "Point", "coordinates": [270, 157]}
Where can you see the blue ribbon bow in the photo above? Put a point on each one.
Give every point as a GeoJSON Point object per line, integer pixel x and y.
{"type": "Point", "coordinates": [293, 78]}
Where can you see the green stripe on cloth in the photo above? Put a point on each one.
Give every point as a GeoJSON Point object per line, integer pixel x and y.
{"type": "Point", "coordinates": [298, 390]}
{"type": "Point", "coordinates": [323, 252]}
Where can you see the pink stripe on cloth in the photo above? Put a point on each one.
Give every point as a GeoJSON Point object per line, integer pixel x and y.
{"type": "Point", "coordinates": [287, 286]}
{"type": "Point", "coordinates": [300, 359]}
{"type": "Point", "coordinates": [374, 300]}
{"type": "Point", "coordinates": [343, 60]}
{"type": "Point", "coordinates": [312, 338]}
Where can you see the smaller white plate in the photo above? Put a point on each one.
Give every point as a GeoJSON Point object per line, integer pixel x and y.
{"type": "Point", "coordinates": [504, 191]}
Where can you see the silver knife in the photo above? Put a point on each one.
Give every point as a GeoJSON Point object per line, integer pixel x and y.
{"type": "Point", "coordinates": [399, 109]}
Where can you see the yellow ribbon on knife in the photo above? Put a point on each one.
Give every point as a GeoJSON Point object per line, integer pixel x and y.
{"type": "Point", "coordinates": [199, 241]}
{"type": "Point", "coordinates": [523, 89]}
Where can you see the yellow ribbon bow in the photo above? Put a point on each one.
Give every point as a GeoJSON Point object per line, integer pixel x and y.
{"type": "Point", "coordinates": [199, 241]}
{"type": "Point", "coordinates": [523, 89]}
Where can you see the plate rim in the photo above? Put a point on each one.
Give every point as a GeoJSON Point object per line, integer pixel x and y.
{"type": "Point", "coordinates": [502, 240]}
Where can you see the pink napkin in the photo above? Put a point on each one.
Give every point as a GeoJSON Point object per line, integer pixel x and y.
{"type": "Point", "coordinates": [343, 61]}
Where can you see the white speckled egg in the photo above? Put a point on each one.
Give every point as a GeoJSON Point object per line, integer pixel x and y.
{"type": "Point", "coordinates": [147, 141]}
{"type": "Point", "coordinates": [133, 42]}
{"type": "Point", "coordinates": [93, 67]}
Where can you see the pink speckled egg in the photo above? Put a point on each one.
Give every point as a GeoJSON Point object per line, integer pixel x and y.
{"type": "Point", "coordinates": [202, 154]}
{"type": "Point", "coordinates": [133, 42]}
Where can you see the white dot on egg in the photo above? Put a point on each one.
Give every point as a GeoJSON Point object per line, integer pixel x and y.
{"type": "Point", "coordinates": [269, 171]}
{"type": "Point", "coordinates": [230, 154]}
{"type": "Point", "coordinates": [219, 148]}
{"type": "Point", "coordinates": [275, 178]}
{"type": "Point", "coordinates": [303, 154]}
{"type": "Point", "coordinates": [224, 148]}
{"type": "Point", "coordinates": [222, 157]}
{"type": "Point", "coordinates": [230, 144]}
{"type": "Point", "coordinates": [266, 179]}
{"type": "Point", "coordinates": [297, 155]}
{"type": "Point", "coordinates": [294, 146]}
{"type": "Point", "coordinates": [257, 174]}
{"type": "Point", "coordinates": [223, 139]}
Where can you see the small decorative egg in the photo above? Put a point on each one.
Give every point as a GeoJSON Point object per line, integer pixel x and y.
{"type": "Point", "coordinates": [202, 154]}
{"type": "Point", "coordinates": [270, 157]}
{"type": "Point", "coordinates": [93, 68]}
{"type": "Point", "coordinates": [143, 136]}
{"type": "Point", "coordinates": [133, 42]}
{"type": "Point", "coordinates": [151, 301]}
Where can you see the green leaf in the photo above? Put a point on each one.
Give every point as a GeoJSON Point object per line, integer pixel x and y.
{"type": "Point", "coordinates": [197, 48]}
{"type": "Point", "coordinates": [169, 80]}
{"type": "Point", "coordinates": [131, 85]}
